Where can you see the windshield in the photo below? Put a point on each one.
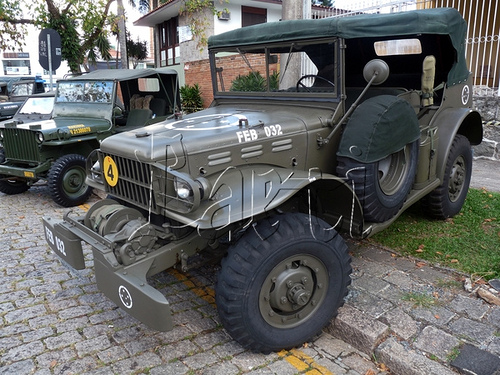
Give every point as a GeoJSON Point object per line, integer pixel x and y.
{"type": "Point", "coordinates": [42, 106]}
{"type": "Point", "coordinates": [85, 91]}
{"type": "Point", "coordinates": [302, 70]}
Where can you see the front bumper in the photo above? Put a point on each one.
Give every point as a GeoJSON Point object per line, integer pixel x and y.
{"type": "Point", "coordinates": [124, 285]}
{"type": "Point", "coordinates": [30, 173]}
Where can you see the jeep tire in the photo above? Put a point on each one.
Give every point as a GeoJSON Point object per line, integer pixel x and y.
{"type": "Point", "coordinates": [383, 186]}
{"type": "Point", "coordinates": [447, 200]}
{"type": "Point", "coordinates": [66, 181]}
{"type": "Point", "coordinates": [13, 185]}
{"type": "Point", "coordinates": [282, 282]}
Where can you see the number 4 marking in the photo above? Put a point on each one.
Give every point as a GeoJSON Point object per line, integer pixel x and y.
{"type": "Point", "coordinates": [110, 171]}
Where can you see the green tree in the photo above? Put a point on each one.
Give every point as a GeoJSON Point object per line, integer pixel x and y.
{"type": "Point", "coordinates": [196, 11]}
{"type": "Point", "coordinates": [83, 26]}
{"type": "Point", "coordinates": [136, 51]}
{"type": "Point", "coordinates": [11, 32]}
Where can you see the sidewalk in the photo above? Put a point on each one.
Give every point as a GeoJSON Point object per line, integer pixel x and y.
{"type": "Point", "coordinates": [450, 331]}
{"type": "Point", "coordinates": [454, 331]}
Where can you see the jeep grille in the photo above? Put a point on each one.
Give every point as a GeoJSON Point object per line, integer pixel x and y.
{"type": "Point", "coordinates": [20, 144]}
{"type": "Point", "coordinates": [133, 182]}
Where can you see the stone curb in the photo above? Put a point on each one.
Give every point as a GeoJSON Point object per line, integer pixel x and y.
{"type": "Point", "coordinates": [442, 339]}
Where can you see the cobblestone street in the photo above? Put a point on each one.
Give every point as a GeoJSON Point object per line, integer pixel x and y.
{"type": "Point", "coordinates": [55, 321]}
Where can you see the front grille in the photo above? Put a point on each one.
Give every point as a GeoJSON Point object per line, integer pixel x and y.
{"type": "Point", "coordinates": [134, 182]}
{"type": "Point", "coordinates": [20, 145]}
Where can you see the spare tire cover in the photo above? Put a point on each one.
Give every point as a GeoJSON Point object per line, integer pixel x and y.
{"type": "Point", "coordinates": [379, 127]}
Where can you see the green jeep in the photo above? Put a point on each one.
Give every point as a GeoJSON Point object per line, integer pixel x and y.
{"type": "Point", "coordinates": [87, 109]}
{"type": "Point", "coordinates": [319, 129]}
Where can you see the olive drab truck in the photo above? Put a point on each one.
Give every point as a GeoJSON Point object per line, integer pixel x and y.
{"type": "Point", "coordinates": [319, 130]}
{"type": "Point", "coordinates": [87, 109]}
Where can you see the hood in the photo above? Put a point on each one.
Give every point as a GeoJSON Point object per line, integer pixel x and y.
{"type": "Point", "coordinates": [68, 123]}
{"type": "Point", "coordinates": [215, 129]}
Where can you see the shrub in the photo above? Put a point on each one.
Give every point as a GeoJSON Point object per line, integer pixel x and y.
{"type": "Point", "coordinates": [191, 98]}
{"type": "Point", "coordinates": [253, 81]}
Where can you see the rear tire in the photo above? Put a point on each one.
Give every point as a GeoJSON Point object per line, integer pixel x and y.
{"type": "Point", "coordinates": [67, 181]}
{"type": "Point", "coordinates": [447, 200]}
{"type": "Point", "coordinates": [383, 186]}
{"type": "Point", "coordinates": [282, 282]}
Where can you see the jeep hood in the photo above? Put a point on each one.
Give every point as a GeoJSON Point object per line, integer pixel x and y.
{"type": "Point", "coordinates": [211, 130]}
{"type": "Point", "coordinates": [60, 123]}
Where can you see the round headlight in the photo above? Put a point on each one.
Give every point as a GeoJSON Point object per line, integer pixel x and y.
{"type": "Point", "coordinates": [39, 137]}
{"type": "Point", "coordinates": [183, 192]}
{"type": "Point", "coordinates": [183, 189]}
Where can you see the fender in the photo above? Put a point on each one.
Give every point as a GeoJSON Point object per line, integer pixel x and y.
{"type": "Point", "coordinates": [239, 194]}
{"type": "Point", "coordinates": [453, 121]}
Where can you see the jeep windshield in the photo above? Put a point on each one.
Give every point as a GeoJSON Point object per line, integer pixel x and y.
{"type": "Point", "coordinates": [85, 91]}
{"type": "Point", "coordinates": [305, 70]}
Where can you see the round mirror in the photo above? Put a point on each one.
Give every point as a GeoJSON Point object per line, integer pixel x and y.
{"type": "Point", "coordinates": [376, 66]}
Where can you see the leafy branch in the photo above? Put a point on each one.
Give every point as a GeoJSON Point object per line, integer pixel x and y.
{"type": "Point", "coordinates": [197, 12]}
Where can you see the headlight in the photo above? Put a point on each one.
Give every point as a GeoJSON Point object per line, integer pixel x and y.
{"type": "Point", "coordinates": [39, 137]}
{"type": "Point", "coordinates": [183, 189]}
{"type": "Point", "coordinates": [188, 193]}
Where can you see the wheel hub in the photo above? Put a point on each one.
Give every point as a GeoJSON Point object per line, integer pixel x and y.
{"type": "Point", "coordinates": [73, 181]}
{"type": "Point", "coordinates": [457, 179]}
{"type": "Point", "coordinates": [293, 290]}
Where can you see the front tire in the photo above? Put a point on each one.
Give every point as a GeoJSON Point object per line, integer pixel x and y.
{"type": "Point", "coordinates": [383, 186]}
{"type": "Point", "coordinates": [282, 282]}
{"type": "Point", "coordinates": [447, 200]}
{"type": "Point", "coordinates": [13, 185]}
{"type": "Point", "coordinates": [66, 181]}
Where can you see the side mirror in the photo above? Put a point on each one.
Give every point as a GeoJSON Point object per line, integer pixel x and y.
{"type": "Point", "coordinates": [376, 71]}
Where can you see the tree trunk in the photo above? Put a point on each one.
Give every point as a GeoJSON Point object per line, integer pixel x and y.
{"type": "Point", "coordinates": [122, 35]}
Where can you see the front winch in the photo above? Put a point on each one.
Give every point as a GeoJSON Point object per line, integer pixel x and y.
{"type": "Point", "coordinates": [124, 226]}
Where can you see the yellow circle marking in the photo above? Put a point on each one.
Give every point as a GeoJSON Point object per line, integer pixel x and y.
{"type": "Point", "coordinates": [110, 171]}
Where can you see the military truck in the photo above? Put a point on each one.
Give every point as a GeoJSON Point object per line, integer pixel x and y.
{"type": "Point", "coordinates": [87, 109]}
{"type": "Point", "coordinates": [319, 129]}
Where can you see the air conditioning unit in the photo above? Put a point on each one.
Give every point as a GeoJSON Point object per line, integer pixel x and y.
{"type": "Point", "coordinates": [224, 16]}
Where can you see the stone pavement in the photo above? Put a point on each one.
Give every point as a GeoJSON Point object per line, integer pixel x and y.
{"type": "Point", "coordinates": [401, 316]}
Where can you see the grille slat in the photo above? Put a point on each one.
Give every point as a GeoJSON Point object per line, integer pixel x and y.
{"type": "Point", "coordinates": [133, 181]}
{"type": "Point", "coordinates": [20, 144]}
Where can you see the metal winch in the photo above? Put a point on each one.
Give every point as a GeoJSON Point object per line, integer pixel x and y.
{"type": "Point", "coordinates": [124, 226]}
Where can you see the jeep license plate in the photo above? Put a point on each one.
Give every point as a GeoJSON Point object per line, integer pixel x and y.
{"type": "Point", "coordinates": [63, 242]}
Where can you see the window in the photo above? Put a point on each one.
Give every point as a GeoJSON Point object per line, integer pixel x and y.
{"type": "Point", "coordinates": [169, 42]}
{"type": "Point", "coordinates": [303, 70]}
{"type": "Point", "coordinates": [398, 47]}
{"type": "Point", "coordinates": [149, 84]}
{"type": "Point", "coordinates": [252, 16]}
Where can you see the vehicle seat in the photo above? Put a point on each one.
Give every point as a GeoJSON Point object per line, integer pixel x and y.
{"type": "Point", "coordinates": [138, 117]}
{"type": "Point", "coordinates": [136, 101]}
{"type": "Point", "coordinates": [158, 106]}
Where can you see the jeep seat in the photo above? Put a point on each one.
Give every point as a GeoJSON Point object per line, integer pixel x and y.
{"type": "Point", "coordinates": [138, 117]}
{"type": "Point", "coordinates": [158, 106]}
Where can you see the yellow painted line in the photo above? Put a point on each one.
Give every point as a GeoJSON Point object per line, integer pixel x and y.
{"type": "Point", "coordinates": [205, 293]}
{"type": "Point", "coordinates": [302, 362]}
{"type": "Point", "coordinates": [85, 207]}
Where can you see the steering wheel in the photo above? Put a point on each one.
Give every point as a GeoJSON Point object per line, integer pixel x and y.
{"type": "Point", "coordinates": [299, 82]}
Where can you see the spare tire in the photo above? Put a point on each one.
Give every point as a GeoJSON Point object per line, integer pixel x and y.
{"type": "Point", "coordinates": [378, 155]}
{"type": "Point", "coordinates": [382, 186]}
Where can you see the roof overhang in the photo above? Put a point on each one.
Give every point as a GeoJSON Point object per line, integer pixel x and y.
{"type": "Point", "coordinates": [159, 15]}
